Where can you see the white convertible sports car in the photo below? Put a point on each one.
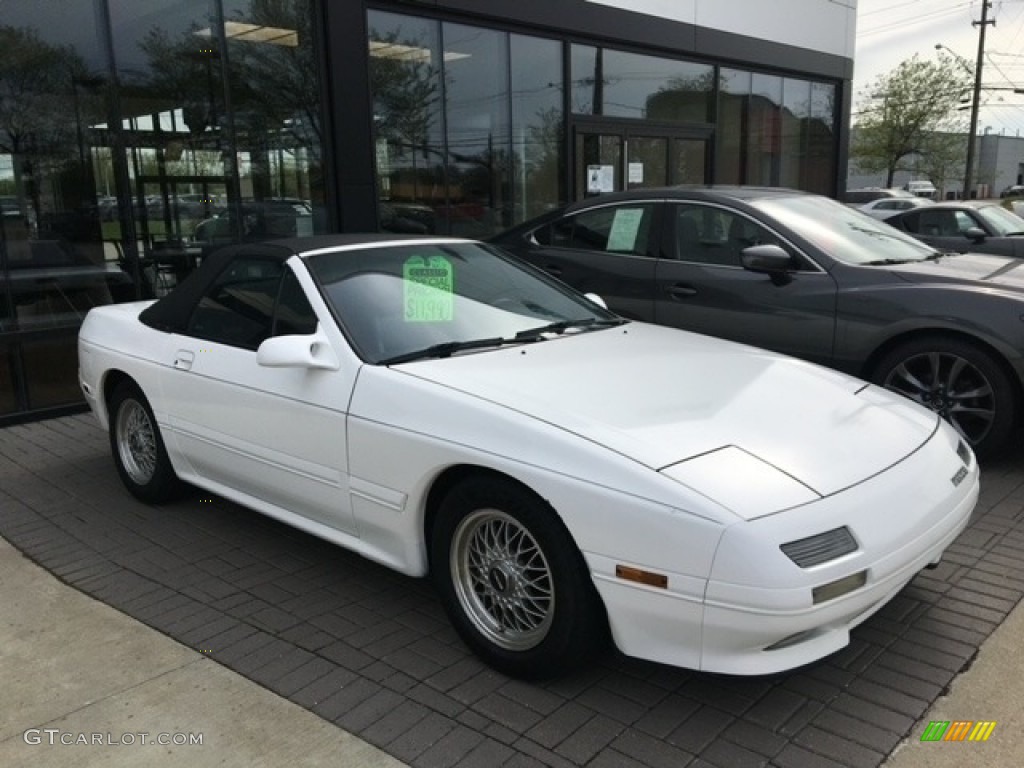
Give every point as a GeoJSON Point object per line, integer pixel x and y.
{"type": "Point", "coordinates": [561, 473]}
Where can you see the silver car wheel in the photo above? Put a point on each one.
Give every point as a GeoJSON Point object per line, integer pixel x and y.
{"type": "Point", "coordinates": [502, 580]}
{"type": "Point", "coordinates": [136, 441]}
{"type": "Point", "coordinates": [952, 387]}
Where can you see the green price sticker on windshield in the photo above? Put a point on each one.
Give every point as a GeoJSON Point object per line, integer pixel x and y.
{"type": "Point", "coordinates": [429, 285]}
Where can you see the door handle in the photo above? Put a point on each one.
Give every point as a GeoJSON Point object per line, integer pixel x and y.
{"type": "Point", "coordinates": [183, 359]}
{"type": "Point", "coordinates": [552, 270]}
{"type": "Point", "coordinates": [680, 291]}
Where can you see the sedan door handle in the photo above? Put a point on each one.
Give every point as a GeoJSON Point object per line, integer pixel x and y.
{"type": "Point", "coordinates": [680, 291]}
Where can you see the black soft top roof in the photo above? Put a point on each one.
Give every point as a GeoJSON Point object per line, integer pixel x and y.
{"type": "Point", "coordinates": [171, 313]}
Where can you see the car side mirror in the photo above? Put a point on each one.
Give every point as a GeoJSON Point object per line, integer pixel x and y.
{"type": "Point", "coordinates": [769, 259]}
{"type": "Point", "coordinates": [311, 351]}
{"type": "Point", "coordinates": [975, 234]}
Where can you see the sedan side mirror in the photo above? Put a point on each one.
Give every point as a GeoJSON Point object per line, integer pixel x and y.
{"type": "Point", "coordinates": [312, 351]}
{"type": "Point", "coordinates": [769, 259]}
{"type": "Point", "coordinates": [975, 234]}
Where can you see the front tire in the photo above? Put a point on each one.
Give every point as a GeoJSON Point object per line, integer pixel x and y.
{"type": "Point", "coordinates": [138, 449]}
{"type": "Point", "coordinates": [961, 382]}
{"type": "Point", "coordinates": [512, 580]}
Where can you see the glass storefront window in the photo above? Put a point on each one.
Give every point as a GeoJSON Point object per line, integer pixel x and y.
{"type": "Point", "coordinates": [765, 131]}
{"type": "Point", "coordinates": [821, 140]}
{"type": "Point", "coordinates": [134, 139]}
{"type": "Point", "coordinates": [478, 127]}
{"type": "Point", "coordinates": [221, 126]}
{"type": "Point", "coordinates": [587, 80]}
{"type": "Point", "coordinates": [733, 100]}
{"type": "Point", "coordinates": [538, 122]}
{"type": "Point", "coordinates": [469, 136]}
{"type": "Point", "coordinates": [51, 370]}
{"type": "Point", "coordinates": [619, 84]}
{"type": "Point", "coordinates": [52, 261]}
{"type": "Point", "coordinates": [405, 81]}
{"type": "Point", "coordinates": [796, 111]}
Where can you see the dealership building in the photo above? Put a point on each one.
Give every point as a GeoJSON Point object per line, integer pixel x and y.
{"type": "Point", "coordinates": [136, 137]}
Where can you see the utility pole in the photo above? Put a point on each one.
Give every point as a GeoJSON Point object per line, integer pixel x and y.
{"type": "Point", "coordinates": [976, 96]}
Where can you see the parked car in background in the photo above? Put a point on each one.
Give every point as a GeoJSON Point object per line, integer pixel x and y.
{"type": "Point", "coordinates": [1014, 190]}
{"type": "Point", "coordinates": [805, 275]}
{"type": "Point", "coordinates": [977, 226]}
{"type": "Point", "coordinates": [440, 407]}
{"type": "Point", "coordinates": [921, 188]}
{"type": "Point", "coordinates": [266, 219]}
{"type": "Point", "coordinates": [1014, 205]}
{"type": "Point", "coordinates": [885, 207]}
{"type": "Point", "coordinates": [858, 197]}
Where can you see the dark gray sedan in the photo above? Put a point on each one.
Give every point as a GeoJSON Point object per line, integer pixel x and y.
{"type": "Point", "coordinates": [804, 275]}
{"type": "Point", "coordinates": [972, 225]}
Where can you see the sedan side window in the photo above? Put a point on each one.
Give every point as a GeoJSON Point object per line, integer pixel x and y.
{"type": "Point", "coordinates": [715, 236]}
{"type": "Point", "coordinates": [965, 221]}
{"type": "Point", "coordinates": [936, 224]}
{"type": "Point", "coordinates": [613, 229]}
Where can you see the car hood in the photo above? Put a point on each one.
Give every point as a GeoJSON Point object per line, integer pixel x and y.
{"type": "Point", "coordinates": [694, 408]}
{"type": "Point", "coordinates": [978, 268]}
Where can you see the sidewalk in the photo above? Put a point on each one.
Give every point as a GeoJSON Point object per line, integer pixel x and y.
{"type": "Point", "coordinates": [989, 690]}
{"type": "Point", "coordinates": [74, 670]}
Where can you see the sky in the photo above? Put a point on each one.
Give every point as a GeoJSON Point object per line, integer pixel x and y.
{"type": "Point", "coordinates": [891, 31]}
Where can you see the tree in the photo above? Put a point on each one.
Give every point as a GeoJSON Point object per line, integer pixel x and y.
{"type": "Point", "coordinates": [903, 109]}
{"type": "Point", "coordinates": [942, 158]}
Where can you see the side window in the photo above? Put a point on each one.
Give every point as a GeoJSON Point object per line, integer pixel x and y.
{"type": "Point", "coordinates": [964, 221]}
{"type": "Point", "coordinates": [611, 229]}
{"type": "Point", "coordinates": [911, 222]}
{"type": "Point", "coordinates": [707, 235]}
{"type": "Point", "coordinates": [938, 224]}
{"type": "Point", "coordinates": [293, 314]}
{"type": "Point", "coordinates": [238, 308]}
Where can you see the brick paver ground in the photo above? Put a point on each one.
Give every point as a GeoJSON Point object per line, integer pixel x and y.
{"type": "Point", "coordinates": [371, 650]}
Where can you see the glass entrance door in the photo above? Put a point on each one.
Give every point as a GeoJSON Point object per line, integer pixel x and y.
{"type": "Point", "coordinates": [612, 159]}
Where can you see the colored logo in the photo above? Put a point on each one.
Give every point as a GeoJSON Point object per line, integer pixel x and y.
{"type": "Point", "coordinates": [958, 730]}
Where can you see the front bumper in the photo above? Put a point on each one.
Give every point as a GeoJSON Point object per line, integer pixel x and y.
{"type": "Point", "coordinates": [756, 613]}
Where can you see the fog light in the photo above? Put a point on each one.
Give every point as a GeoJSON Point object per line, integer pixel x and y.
{"type": "Point", "coordinates": [838, 588]}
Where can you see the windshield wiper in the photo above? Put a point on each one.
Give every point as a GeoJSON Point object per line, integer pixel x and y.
{"type": "Point", "coordinates": [532, 334]}
{"type": "Point", "coordinates": [444, 349]}
{"type": "Point", "coordinates": [884, 262]}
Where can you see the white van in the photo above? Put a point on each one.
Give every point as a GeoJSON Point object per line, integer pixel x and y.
{"type": "Point", "coordinates": [921, 188]}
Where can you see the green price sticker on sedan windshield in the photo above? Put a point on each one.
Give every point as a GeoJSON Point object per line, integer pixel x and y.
{"type": "Point", "coordinates": [429, 284]}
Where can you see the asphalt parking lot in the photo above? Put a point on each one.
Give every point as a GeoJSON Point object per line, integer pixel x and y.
{"type": "Point", "coordinates": [372, 651]}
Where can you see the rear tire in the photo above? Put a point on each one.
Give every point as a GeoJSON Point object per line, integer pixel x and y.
{"type": "Point", "coordinates": [138, 449]}
{"type": "Point", "coordinates": [961, 382]}
{"type": "Point", "coordinates": [512, 580]}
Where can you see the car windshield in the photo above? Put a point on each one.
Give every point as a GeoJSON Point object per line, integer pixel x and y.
{"type": "Point", "coordinates": [436, 298]}
{"type": "Point", "coordinates": [843, 233]}
{"type": "Point", "coordinates": [1002, 221]}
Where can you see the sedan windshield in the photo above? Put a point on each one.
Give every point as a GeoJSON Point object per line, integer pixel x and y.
{"type": "Point", "coordinates": [433, 298]}
{"type": "Point", "coordinates": [844, 234]}
{"type": "Point", "coordinates": [1003, 222]}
